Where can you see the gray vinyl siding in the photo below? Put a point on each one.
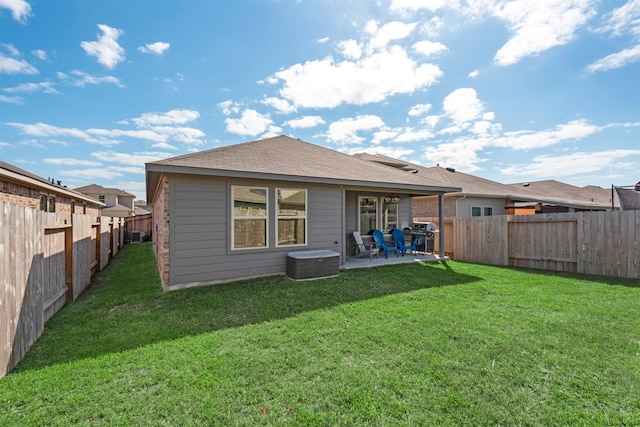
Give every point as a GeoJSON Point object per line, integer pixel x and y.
{"type": "Point", "coordinates": [405, 216]}
{"type": "Point", "coordinates": [464, 205]}
{"type": "Point", "coordinates": [200, 218]}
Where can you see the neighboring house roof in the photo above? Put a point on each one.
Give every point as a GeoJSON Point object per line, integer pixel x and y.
{"type": "Point", "coordinates": [556, 192]}
{"type": "Point", "coordinates": [100, 190]}
{"type": "Point", "coordinates": [27, 178]}
{"type": "Point", "coordinates": [139, 210]}
{"type": "Point", "coordinates": [548, 192]}
{"type": "Point", "coordinates": [470, 185]}
{"type": "Point", "coordinates": [290, 159]}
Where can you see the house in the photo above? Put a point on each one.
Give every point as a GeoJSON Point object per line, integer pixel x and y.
{"type": "Point", "coordinates": [235, 212]}
{"type": "Point", "coordinates": [483, 197]}
{"type": "Point", "coordinates": [554, 196]}
{"type": "Point", "coordinates": [20, 187]}
{"type": "Point", "coordinates": [478, 196]}
{"type": "Point", "coordinates": [118, 203]}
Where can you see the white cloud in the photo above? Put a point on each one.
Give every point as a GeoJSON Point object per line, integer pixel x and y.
{"type": "Point", "coordinates": [20, 9]}
{"type": "Point", "coordinates": [524, 140]}
{"type": "Point", "coordinates": [251, 123]}
{"type": "Point", "coordinates": [432, 27]}
{"type": "Point", "coordinates": [411, 135]}
{"type": "Point", "coordinates": [43, 129]}
{"type": "Point", "coordinates": [164, 146]}
{"type": "Point", "coordinates": [229, 107]}
{"type": "Point", "coordinates": [537, 26]}
{"type": "Point", "coordinates": [12, 100]}
{"type": "Point", "coordinates": [389, 32]}
{"type": "Point", "coordinates": [92, 174]}
{"type": "Point", "coordinates": [460, 154]}
{"type": "Point", "coordinates": [419, 109]}
{"type": "Point", "coordinates": [383, 135]}
{"type": "Point", "coordinates": [41, 54]}
{"type": "Point", "coordinates": [323, 40]}
{"type": "Point", "coordinates": [81, 79]}
{"type": "Point", "coordinates": [15, 66]}
{"type": "Point", "coordinates": [616, 60]}
{"type": "Point", "coordinates": [346, 130]}
{"type": "Point", "coordinates": [173, 117]}
{"type": "Point", "coordinates": [428, 48]}
{"type": "Point", "coordinates": [304, 122]}
{"type": "Point", "coordinates": [281, 105]}
{"type": "Point", "coordinates": [157, 48]}
{"type": "Point", "coordinates": [70, 162]}
{"type": "Point", "coordinates": [186, 135]}
{"type": "Point", "coordinates": [463, 105]}
{"type": "Point", "coordinates": [144, 134]}
{"type": "Point", "coordinates": [624, 19]}
{"type": "Point", "coordinates": [45, 87]}
{"type": "Point", "coordinates": [431, 121]}
{"type": "Point", "coordinates": [404, 6]}
{"type": "Point", "coordinates": [133, 159]}
{"type": "Point", "coordinates": [106, 50]}
{"type": "Point", "coordinates": [326, 84]}
{"type": "Point", "coordinates": [474, 74]}
{"type": "Point", "coordinates": [571, 164]}
{"type": "Point", "coordinates": [350, 49]}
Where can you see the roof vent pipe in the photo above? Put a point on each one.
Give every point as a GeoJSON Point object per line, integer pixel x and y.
{"type": "Point", "coordinates": [451, 169]}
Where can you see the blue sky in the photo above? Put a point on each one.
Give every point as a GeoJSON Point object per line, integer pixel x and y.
{"type": "Point", "coordinates": [512, 91]}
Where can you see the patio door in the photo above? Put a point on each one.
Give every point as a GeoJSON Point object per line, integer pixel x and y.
{"type": "Point", "coordinates": [367, 214]}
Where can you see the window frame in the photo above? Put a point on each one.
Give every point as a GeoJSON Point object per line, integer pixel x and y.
{"type": "Point", "coordinates": [234, 218]}
{"type": "Point", "coordinates": [278, 217]}
{"type": "Point", "coordinates": [382, 202]}
{"type": "Point", "coordinates": [376, 200]}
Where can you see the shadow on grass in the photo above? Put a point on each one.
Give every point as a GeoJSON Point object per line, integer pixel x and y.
{"type": "Point", "coordinates": [125, 307]}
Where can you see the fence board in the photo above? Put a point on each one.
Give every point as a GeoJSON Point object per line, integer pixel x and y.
{"type": "Point", "coordinates": [43, 264]}
{"type": "Point", "coordinates": [600, 243]}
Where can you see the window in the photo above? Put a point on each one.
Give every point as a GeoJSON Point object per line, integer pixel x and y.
{"type": "Point", "coordinates": [389, 214]}
{"type": "Point", "coordinates": [52, 204]}
{"type": "Point", "coordinates": [249, 216]}
{"type": "Point", "coordinates": [478, 211]}
{"type": "Point", "coordinates": [101, 198]}
{"type": "Point", "coordinates": [367, 214]}
{"type": "Point", "coordinates": [43, 203]}
{"type": "Point", "coordinates": [292, 217]}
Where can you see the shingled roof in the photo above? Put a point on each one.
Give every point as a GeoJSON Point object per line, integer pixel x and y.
{"type": "Point", "coordinates": [17, 174]}
{"type": "Point", "coordinates": [290, 159]}
{"type": "Point", "coordinates": [549, 191]}
{"type": "Point", "coordinates": [469, 184]}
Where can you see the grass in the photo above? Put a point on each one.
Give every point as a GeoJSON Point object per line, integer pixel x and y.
{"type": "Point", "coordinates": [438, 344]}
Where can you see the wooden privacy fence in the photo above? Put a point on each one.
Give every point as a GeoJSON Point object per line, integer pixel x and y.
{"type": "Point", "coordinates": [45, 263]}
{"type": "Point", "coordinates": [601, 243]}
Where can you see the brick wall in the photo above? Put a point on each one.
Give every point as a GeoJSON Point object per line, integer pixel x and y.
{"type": "Point", "coordinates": [160, 233]}
{"type": "Point", "coordinates": [22, 195]}
{"type": "Point", "coordinates": [428, 206]}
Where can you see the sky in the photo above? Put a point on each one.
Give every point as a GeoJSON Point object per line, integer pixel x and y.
{"type": "Point", "coordinates": [512, 91]}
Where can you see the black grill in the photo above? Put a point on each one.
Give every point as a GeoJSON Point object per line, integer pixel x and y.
{"type": "Point", "coordinates": [423, 233]}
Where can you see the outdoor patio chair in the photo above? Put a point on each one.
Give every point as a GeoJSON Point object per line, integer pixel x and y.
{"type": "Point", "coordinates": [364, 249]}
{"type": "Point", "coordinates": [401, 242]}
{"type": "Point", "coordinates": [379, 239]}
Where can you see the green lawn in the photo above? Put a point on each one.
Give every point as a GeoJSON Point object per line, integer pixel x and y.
{"type": "Point", "coordinates": [415, 345]}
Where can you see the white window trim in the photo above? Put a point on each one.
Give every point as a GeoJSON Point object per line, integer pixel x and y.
{"type": "Point", "coordinates": [305, 217]}
{"type": "Point", "coordinates": [482, 210]}
{"type": "Point", "coordinates": [233, 218]}
{"type": "Point", "coordinates": [377, 199]}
